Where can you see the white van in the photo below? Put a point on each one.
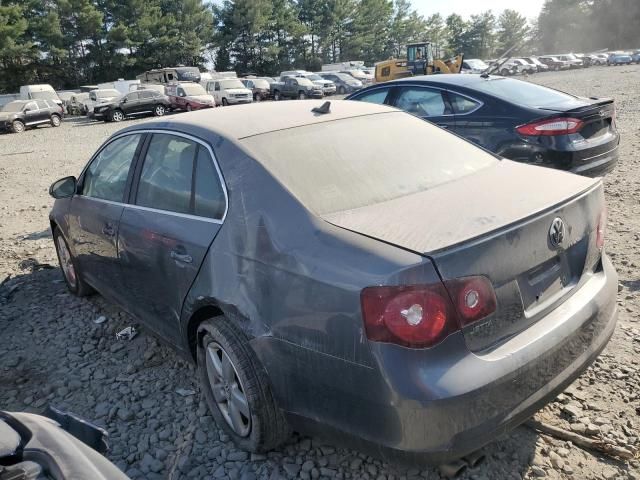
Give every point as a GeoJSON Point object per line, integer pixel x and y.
{"type": "Point", "coordinates": [100, 96]}
{"type": "Point", "coordinates": [39, 92]}
{"type": "Point", "coordinates": [229, 91]}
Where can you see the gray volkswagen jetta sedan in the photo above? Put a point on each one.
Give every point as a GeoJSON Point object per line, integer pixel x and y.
{"type": "Point", "coordinates": [355, 273]}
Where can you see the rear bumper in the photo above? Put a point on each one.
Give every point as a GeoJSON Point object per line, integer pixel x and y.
{"type": "Point", "coordinates": [597, 165]}
{"type": "Point", "coordinates": [431, 406]}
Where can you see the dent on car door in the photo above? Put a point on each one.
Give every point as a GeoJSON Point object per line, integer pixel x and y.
{"type": "Point", "coordinates": [173, 216]}
{"type": "Point", "coordinates": [428, 103]}
{"type": "Point", "coordinates": [95, 211]}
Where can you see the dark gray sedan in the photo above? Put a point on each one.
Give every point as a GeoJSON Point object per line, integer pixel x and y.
{"type": "Point", "coordinates": [357, 273]}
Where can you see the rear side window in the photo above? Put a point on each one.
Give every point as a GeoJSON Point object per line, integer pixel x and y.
{"type": "Point", "coordinates": [209, 198]}
{"type": "Point", "coordinates": [145, 94]}
{"type": "Point", "coordinates": [376, 96]}
{"type": "Point", "coordinates": [461, 104]}
{"type": "Point", "coordinates": [423, 102]}
{"type": "Point", "coordinates": [106, 176]}
{"type": "Point", "coordinates": [167, 174]}
{"type": "Point", "coordinates": [133, 96]}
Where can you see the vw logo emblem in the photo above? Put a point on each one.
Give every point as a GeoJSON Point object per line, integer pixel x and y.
{"type": "Point", "coordinates": [557, 232]}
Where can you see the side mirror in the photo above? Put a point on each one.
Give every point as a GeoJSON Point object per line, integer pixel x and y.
{"type": "Point", "coordinates": [63, 188]}
{"type": "Point", "coordinates": [124, 100]}
{"type": "Point", "coordinates": [27, 110]}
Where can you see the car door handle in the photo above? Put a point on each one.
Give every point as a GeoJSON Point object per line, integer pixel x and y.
{"type": "Point", "coordinates": [108, 230]}
{"type": "Point", "coordinates": [442, 125]}
{"type": "Point", "coordinates": [181, 257]}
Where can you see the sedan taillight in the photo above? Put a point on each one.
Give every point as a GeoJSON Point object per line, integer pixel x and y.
{"type": "Point", "coordinates": [551, 126]}
{"type": "Point", "coordinates": [421, 316]}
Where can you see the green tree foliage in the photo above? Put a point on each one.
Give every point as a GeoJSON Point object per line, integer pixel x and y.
{"type": "Point", "coordinates": [512, 30]}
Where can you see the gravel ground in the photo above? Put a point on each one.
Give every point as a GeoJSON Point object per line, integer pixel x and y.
{"type": "Point", "coordinates": [52, 350]}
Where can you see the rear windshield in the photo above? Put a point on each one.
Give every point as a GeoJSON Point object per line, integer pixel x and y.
{"type": "Point", "coordinates": [368, 159]}
{"type": "Point", "coordinates": [46, 95]}
{"type": "Point", "coordinates": [523, 93]}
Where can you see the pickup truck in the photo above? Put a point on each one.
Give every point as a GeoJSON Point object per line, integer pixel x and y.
{"type": "Point", "coordinates": [295, 87]}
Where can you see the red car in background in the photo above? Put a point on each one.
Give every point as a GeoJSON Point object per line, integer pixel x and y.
{"type": "Point", "coordinates": [189, 96]}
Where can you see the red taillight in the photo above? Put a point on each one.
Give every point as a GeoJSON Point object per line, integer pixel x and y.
{"type": "Point", "coordinates": [421, 316]}
{"type": "Point", "coordinates": [601, 230]}
{"type": "Point", "coordinates": [551, 126]}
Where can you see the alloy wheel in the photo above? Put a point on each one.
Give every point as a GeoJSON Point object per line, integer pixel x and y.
{"type": "Point", "coordinates": [18, 126]}
{"type": "Point", "coordinates": [66, 263]}
{"type": "Point", "coordinates": [55, 121]}
{"type": "Point", "coordinates": [228, 392]}
{"type": "Point", "coordinates": [117, 116]}
{"type": "Point", "coordinates": [159, 111]}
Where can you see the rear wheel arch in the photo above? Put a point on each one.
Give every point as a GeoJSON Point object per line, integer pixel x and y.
{"type": "Point", "coordinates": [204, 312]}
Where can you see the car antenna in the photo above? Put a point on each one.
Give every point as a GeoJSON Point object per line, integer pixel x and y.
{"type": "Point", "coordinates": [322, 109]}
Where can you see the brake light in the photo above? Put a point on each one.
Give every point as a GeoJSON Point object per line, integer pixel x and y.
{"type": "Point", "coordinates": [551, 126]}
{"type": "Point", "coordinates": [421, 316]}
{"type": "Point", "coordinates": [601, 230]}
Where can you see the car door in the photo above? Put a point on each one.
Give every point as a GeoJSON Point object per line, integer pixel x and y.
{"type": "Point", "coordinates": [489, 124]}
{"type": "Point", "coordinates": [95, 211]}
{"type": "Point", "coordinates": [145, 101]}
{"type": "Point", "coordinates": [130, 104]}
{"type": "Point", "coordinates": [425, 102]}
{"type": "Point", "coordinates": [217, 93]}
{"type": "Point", "coordinates": [43, 111]}
{"type": "Point", "coordinates": [30, 113]}
{"type": "Point", "coordinates": [173, 216]}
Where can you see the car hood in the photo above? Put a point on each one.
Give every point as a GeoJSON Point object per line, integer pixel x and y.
{"type": "Point", "coordinates": [200, 98]}
{"type": "Point", "coordinates": [448, 214]}
{"type": "Point", "coordinates": [323, 83]}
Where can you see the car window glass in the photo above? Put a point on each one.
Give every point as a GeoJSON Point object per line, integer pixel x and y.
{"type": "Point", "coordinates": [42, 104]}
{"type": "Point", "coordinates": [423, 102]}
{"type": "Point", "coordinates": [145, 94]}
{"type": "Point", "coordinates": [106, 177]}
{"type": "Point", "coordinates": [462, 104]}
{"type": "Point", "coordinates": [132, 97]}
{"type": "Point", "coordinates": [31, 106]}
{"type": "Point", "coordinates": [209, 197]}
{"type": "Point", "coordinates": [165, 181]}
{"type": "Point", "coordinates": [376, 96]}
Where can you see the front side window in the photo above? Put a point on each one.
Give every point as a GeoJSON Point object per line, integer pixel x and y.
{"type": "Point", "coordinates": [42, 105]}
{"type": "Point", "coordinates": [377, 96]}
{"type": "Point", "coordinates": [31, 106]}
{"type": "Point", "coordinates": [422, 102]}
{"type": "Point", "coordinates": [132, 97]}
{"type": "Point", "coordinates": [106, 177]}
{"type": "Point", "coordinates": [167, 172]}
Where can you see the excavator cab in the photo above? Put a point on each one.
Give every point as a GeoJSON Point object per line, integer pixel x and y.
{"type": "Point", "coordinates": [419, 57]}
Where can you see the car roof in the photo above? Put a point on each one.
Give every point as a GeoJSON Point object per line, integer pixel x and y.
{"type": "Point", "coordinates": [248, 120]}
{"type": "Point", "coordinates": [467, 80]}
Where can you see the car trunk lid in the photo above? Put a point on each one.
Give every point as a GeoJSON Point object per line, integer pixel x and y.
{"type": "Point", "coordinates": [501, 233]}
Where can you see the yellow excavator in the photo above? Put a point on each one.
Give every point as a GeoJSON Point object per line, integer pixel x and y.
{"type": "Point", "coordinates": [419, 61]}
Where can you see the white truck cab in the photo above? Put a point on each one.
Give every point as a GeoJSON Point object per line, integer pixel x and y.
{"type": "Point", "coordinates": [39, 92]}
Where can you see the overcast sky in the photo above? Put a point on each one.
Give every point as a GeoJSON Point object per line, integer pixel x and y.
{"type": "Point", "coordinates": [465, 8]}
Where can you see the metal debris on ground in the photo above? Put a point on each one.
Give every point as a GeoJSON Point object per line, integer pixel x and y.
{"type": "Point", "coordinates": [185, 392]}
{"type": "Point", "coordinates": [100, 319]}
{"type": "Point", "coordinates": [126, 333]}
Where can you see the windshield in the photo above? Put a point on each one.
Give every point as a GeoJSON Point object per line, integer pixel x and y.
{"type": "Point", "coordinates": [107, 93]}
{"type": "Point", "coordinates": [370, 159]}
{"type": "Point", "coordinates": [314, 77]}
{"type": "Point", "coordinates": [231, 83]}
{"type": "Point", "coordinates": [571, 56]}
{"type": "Point", "coordinates": [304, 81]}
{"type": "Point", "coordinates": [475, 63]}
{"type": "Point", "coordinates": [13, 107]}
{"type": "Point", "coordinates": [345, 77]}
{"type": "Point", "coordinates": [357, 74]}
{"type": "Point", "coordinates": [46, 95]}
{"type": "Point", "coordinates": [260, 83]}
{"type": "Point", "coordinates": [523, 93]}
{"type": "Point", "coordinates": [194, 89]}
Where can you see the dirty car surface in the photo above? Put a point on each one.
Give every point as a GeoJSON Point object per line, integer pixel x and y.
{"type": "Point", "coordinates": [396, 288]}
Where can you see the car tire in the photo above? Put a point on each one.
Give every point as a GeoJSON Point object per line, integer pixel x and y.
{"type": "Point", "coordinates": [257, 98]}
{"type": "Point", "coordinates": [341, 90]}
{"type": "Point", "coordinates": [189, 108]}
{"type": "Point", "coordinates": [276, 96]}
{"type": "Point", "coordinates": [69, 266]}
{"type": "Point", "coordinates": [504, 72]}
{"type": "Point", "coordinates": [302, 95]}
{"type": "Point", "coordinates": [225, 102]}
{"type": "Point", "coordinates": [262, 426]}
{"type": "Point", "coordinates": [55, 120]}
{"type": "Point", "coordinates": [159, 110]}
{"type": "Point", "coordinates": [116, 116]}
{"type": "Point", "coordinates": [17, 126]}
